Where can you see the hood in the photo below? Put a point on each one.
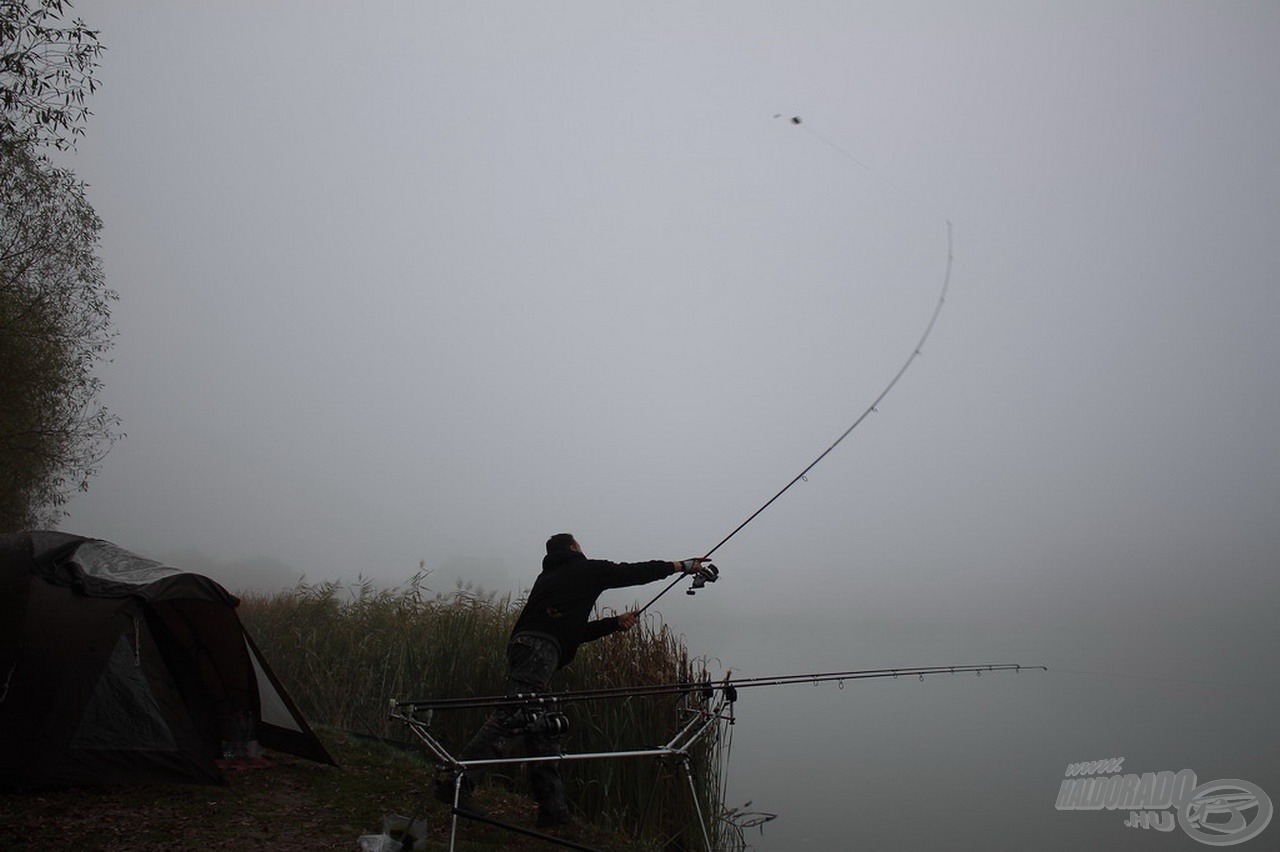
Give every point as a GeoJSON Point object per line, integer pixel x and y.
{"type": "Point", "coordinates": [555, 560]}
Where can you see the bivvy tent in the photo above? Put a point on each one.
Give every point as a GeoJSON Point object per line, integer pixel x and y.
{"type": "Point", "coordinates": [117, 669]}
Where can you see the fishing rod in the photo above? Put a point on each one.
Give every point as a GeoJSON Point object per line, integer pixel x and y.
{"type": "Point", "coordinates": [728, 686]}
{"type": "Point", "coordinates": [711, 573]}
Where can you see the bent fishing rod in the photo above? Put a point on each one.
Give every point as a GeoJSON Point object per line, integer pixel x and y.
{"type": "Point", "coordinates": [710, 574]}
{"type": "Point", "coordinates": [728, 685]}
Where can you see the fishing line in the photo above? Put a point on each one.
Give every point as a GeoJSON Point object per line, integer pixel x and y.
{"type": "Point", "coordinates": [848, 155]}
{"type": "Point", "coordinates": [872, 408]}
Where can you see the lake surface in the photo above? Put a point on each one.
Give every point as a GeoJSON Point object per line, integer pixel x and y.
{"type": "Point", "coordinates": [967, 762]}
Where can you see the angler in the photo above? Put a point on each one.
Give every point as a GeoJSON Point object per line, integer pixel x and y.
{"type": "Point", "coordinates": [546, 636]}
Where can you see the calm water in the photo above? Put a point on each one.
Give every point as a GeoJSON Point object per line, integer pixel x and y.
{"type": "Point", "coordinates": [966, 762]}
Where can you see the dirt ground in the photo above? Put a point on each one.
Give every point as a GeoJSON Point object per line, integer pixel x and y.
{"type": "Point", "coordinates": [291, 805]}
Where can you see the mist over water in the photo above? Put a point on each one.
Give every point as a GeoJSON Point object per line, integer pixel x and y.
{"type": "Point", "coordinates": [416, 287]}
{"type": "Point", "coordinates": [967, 762]}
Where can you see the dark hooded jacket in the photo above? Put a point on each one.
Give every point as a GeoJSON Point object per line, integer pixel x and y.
{"type": "Point", "coordinates": [565, 593]}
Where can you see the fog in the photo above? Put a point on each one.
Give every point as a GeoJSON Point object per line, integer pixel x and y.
{"type": "Point", "coordinates": [421, 284]}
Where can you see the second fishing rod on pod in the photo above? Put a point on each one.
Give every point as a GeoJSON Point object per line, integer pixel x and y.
{"type": "Point", "coordinates": [710, 573]}
{"type": "Point", "coordinates": [728, 685]}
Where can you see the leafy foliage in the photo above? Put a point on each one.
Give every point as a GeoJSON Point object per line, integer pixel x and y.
{"type": "Point", "coordinates": [46, 72]}
{"type": "Point", "coordinates": [54, 329]}
{"type": "Point", "coordinates": [54, 302]}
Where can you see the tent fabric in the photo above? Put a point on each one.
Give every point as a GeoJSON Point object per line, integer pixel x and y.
{"type": "Point", "coordinates": [115, 668]}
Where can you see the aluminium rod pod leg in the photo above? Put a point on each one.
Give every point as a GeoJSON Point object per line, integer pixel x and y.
{"type": "Point", "coordinates": [453, 811]}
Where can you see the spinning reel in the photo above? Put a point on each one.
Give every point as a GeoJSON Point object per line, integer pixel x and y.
{"type": "Point", "coordinates": [708, 574]}
{"type": "Point", "coordinates": [545, 723]}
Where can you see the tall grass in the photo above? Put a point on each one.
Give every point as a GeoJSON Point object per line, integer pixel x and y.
{"type": "Point", "coordinates": [344, 651]}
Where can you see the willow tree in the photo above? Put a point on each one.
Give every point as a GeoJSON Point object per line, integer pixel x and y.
{"type": "Point", "coordinates": [54, 302]}
{"type": "Point", "coordinates": [47, 69]}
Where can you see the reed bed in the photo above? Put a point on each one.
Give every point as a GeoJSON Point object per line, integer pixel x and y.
{"type": "Point", "coordinates": [345, 651]}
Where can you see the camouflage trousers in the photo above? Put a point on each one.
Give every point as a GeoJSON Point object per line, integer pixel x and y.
{"type": "Point", "coordinates": [531, 660]}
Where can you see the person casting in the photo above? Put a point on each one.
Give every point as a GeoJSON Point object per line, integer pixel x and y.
{"type": "Point", "coordinates": [556, 619]}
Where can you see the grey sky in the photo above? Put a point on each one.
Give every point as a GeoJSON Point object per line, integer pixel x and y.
{"type": "Point", "coordinates": [408, 282]}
